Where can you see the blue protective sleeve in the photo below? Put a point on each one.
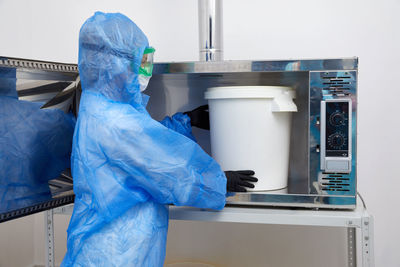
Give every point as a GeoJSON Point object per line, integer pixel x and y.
{"type": "Point", "coordinates": [180, 123]}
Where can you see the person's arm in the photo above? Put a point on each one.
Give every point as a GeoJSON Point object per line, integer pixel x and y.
{"type": "Point", "coordinates": [183, 122]}
{"type": "Point", "coordinates": [167, 165]}
{"type": "Point", "coordinates": [180, 123]}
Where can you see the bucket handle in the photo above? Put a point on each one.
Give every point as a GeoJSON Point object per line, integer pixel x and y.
{"type": "Point", "coordinates": [283, 103]}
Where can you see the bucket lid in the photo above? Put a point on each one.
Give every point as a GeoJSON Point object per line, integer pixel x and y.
{"type": "Point", "coordinates": [282, 96]}
{"type": "Point", "coordinates": [226, 92]}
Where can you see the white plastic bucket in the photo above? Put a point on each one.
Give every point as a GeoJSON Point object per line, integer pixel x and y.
{"type": "Point", "coordinates": [250, 130]}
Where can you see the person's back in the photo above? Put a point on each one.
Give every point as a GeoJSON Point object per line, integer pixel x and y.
{"type": "Point", "coordinates": [123, 226]}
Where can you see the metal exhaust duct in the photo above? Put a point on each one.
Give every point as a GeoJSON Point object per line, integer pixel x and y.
{"type": "Point", "coordinates": [210, 30]}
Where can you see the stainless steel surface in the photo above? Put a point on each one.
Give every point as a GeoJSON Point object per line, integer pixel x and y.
{"type": "Point", "coordinates": [304, 200]}
{"type": "Point", "coordinates": [63, 100]}
{"type": "Point", "coordinates": [256, 66]}
{"type": "Point", "coordinates": [210, 30]}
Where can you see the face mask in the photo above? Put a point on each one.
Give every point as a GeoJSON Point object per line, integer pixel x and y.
{"type": "Point", "coordinates": [143, 81]}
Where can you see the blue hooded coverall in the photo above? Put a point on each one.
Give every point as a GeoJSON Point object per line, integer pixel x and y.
{"type": "Point", "coordinates": [127, 166]}
{"type": "Point", "coordinates": [35, 146]}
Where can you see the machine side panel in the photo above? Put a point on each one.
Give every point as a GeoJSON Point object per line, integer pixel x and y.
{"type": "Point", "coordinates": [333, 124]}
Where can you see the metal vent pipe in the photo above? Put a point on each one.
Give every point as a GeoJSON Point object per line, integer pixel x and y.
{"type": "Point", "coordinates": [210, 30]}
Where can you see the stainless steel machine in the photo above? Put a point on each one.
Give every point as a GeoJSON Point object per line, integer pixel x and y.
{"type": "Point", "coordinates": [322, 168]}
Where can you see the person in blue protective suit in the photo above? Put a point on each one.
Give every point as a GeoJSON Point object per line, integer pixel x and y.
{"type": "Point", "coordinates": [35, 146]}
{"type": "Point", "coordinates": [127, 166]}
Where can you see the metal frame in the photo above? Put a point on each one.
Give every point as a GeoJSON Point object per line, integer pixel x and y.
{"type": "Point", "coordinates": [52, 203]}
{"type": "Point", "coordinates": [71, 70]}
{"type": "Point", "coordinates": [353, 220]}
{"type": "Point", "coordinates": [338, 64]}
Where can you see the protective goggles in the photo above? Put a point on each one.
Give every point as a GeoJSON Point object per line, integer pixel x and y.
{"type": "Point", "coordinates": [146, 66]}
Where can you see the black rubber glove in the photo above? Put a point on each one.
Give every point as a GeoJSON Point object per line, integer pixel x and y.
{"type": "Point", "coordinates": [199, 117]}
{"type": "Point", "coordinates": [238, 180]}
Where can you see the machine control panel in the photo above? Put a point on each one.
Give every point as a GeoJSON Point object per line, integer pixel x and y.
{"type": "Point", "coordinates": [336, 135]}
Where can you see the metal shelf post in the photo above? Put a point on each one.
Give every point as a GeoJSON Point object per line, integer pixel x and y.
{"type": "Point", "coordinates": [49, 231]}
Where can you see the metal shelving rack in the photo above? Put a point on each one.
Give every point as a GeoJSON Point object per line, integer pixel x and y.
{"type": "Point", "coordinates": [54, 84]}
{"type": "Point", "coordinates": [358, 220]}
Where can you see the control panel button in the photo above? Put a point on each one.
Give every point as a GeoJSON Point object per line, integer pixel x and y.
{"type": "Point", "coordinates": [337, 141]}
{"type": "Point", "coordinates": [337, 165]}
{"type": "Point", "coordinates": [337, 119]}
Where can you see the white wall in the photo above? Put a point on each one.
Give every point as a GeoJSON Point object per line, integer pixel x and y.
{"type": "Point", "coordinates": [48, 30]}
{"type": "Point", "coordinates": [16, 242]}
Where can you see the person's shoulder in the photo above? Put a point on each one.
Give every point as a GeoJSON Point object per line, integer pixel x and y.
{"type": "Point", "coordinates": [92, 103]}
{"type": "Point", "coordinates": [117, 115]}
